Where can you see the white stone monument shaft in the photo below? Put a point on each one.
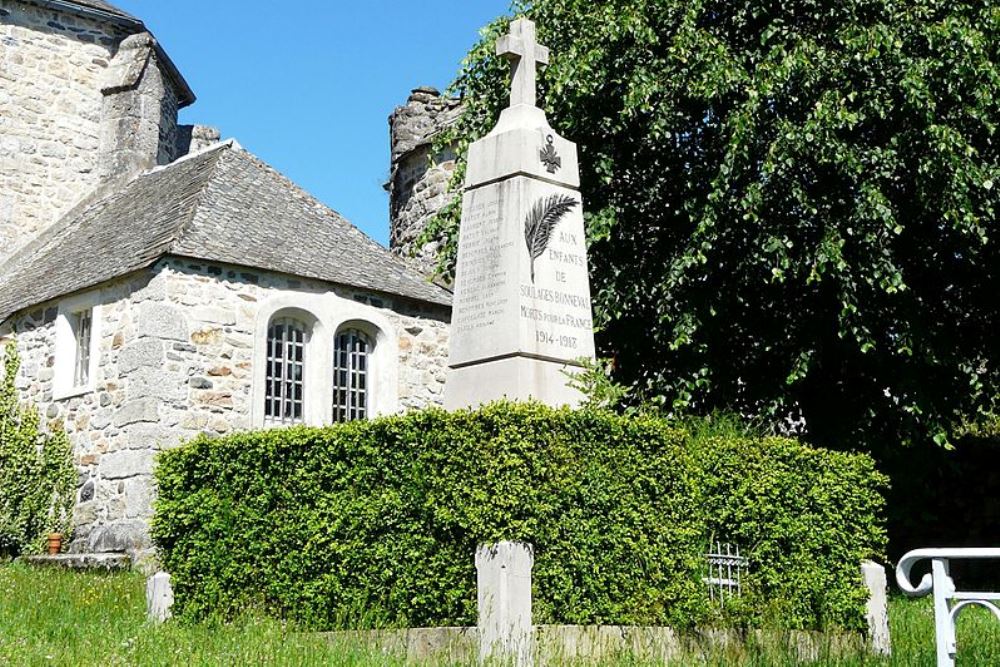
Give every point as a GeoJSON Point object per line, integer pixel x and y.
{"type": "Point", "coordinates": [522, 313]}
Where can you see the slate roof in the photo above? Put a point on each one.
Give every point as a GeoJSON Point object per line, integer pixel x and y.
{"type": "Point", "coordinates": [104, 7]}
{"type": "Point", "coordinates": [222, 205]}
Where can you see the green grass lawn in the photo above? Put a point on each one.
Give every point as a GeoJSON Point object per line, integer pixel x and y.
{"type": "Point", "coordinates": [50, 617]}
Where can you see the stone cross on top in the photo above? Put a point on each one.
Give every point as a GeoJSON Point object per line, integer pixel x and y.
{"type": "Point", "coordinates": [523, 49]}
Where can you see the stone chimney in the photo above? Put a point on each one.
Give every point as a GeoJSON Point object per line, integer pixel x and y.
{"type": "Point", "coordinates": [195, 138]}
{"type": "Point", "coordinates": [139, 113]}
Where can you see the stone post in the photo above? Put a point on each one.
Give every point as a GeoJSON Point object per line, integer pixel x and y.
{"type": "Point", "coordinates": [506, 632]}
{"type": "Point", "coordinates": [159, 597]}
{"type": "Point", "coordinates": [877, 612]}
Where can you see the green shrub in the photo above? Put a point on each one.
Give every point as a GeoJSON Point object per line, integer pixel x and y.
{"type": "Point", "coordinates": [37, 477]}
{"type": "Point", "coordinates": [379, 520]}
{"type": "Point", "coordinates": [806, 515]}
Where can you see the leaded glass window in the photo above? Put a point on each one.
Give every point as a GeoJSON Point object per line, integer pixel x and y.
{"type": "Point", "coordinates": [284, 398]}
{"type": "Point", "coordinates": [351, 380]}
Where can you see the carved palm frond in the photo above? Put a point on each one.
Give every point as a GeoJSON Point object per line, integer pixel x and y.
{"type": "Point", "coordinates": [541, 222]}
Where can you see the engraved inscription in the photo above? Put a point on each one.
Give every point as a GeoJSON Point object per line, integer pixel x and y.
{"type": "Point", "coordinates": [560, 312]}
{"type": "Point", "coordinates": [541, 223]}
{"type": "Point", "coordinates": [482, 298]}
{"type": "Point", "coordinates": [522, 283]}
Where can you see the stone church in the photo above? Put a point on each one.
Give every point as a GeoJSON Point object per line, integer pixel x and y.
{"type": "Point", "coordinates": [160, 283]}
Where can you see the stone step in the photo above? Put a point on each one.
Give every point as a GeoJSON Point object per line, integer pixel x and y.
{"type": "Point", "coordinates": [106, 561]}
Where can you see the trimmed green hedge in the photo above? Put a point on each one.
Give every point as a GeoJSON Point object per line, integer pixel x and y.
{"type": "Point", "coordinates": [377, 522]}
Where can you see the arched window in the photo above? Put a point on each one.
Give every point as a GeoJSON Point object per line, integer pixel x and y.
{"type": "Point", "coordinates": [284, 397]}
{"type": "Point", "coordinates": [352, 351]}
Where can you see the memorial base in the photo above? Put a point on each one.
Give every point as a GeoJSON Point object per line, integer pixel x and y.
{"type": "Point", "coordinates": [515, 378]}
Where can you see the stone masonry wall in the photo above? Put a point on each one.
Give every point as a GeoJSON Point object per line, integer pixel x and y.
{"type": "Point", "coordinates": [169, 136]}
{"type": "Point", "coordinates": [50, 115]}
{"type": "Point", "coordinates": [418, 182]}
{"type": "Point", "coordinates": [106, 426]}
{"type": "Point", "coordinates": [176, 360]}
{"type": "Point", "coordinates": [195, 138]}
{"type": "Point", "coordinates": [60, 135]}
{"type": "Point", "coordinates": [221, 305]}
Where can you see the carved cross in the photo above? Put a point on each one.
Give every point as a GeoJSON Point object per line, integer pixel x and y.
{"type": "Point", "coordinates": [525, 53]}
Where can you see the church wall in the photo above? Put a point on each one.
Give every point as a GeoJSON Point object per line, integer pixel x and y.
{"type": "Point", "coordinates": [60, 135]}
{"type": "Point", "coordinates": [107, 426]}
{"type": "Point", "coordinates": [169, 127]}
{"type": "Point", "coordinates": [139, 114]}
{"type": "Point", "coordinates": [226, 308]}
{"type": "Point", "coordinates": [179, 347]}
{"type": "Point", "coordinates": [50, 113]}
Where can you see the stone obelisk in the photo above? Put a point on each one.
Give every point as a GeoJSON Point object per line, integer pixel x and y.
{"type": "Point", "coordinates": [522, 315]}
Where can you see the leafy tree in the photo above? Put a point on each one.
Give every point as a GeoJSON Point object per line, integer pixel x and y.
{"type": "Point", "coordinates": [37, 477]}
{"type": "Point", "coordinates": [791, 205]}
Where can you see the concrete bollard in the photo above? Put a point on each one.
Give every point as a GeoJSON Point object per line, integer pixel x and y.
{"type": "Point", "coordinates": [877, 611]}
{"type": "Point", "coordinates": [159, 597]}
{"type": "Point", "coordinates": [506, 632]}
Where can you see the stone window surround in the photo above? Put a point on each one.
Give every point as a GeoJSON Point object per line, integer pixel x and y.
{"type": "Point", "coordinates": [286, 335]}
{"type": "Point", "coordinates": [353, 349]}
{"type": "Point", "coordinates": [328, 314]}
{"type": "Point", "coordinates": [66, 353]}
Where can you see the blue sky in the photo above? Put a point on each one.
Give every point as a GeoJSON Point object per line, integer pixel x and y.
{"type": "Point", "coordinates": [309, 85]}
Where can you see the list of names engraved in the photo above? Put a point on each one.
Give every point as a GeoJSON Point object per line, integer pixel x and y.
{"type": "Point", "coordinates": [481, 298]}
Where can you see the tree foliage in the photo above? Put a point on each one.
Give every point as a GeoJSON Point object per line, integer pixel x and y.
{"type": "Point", "coordinates": [37, 477]}
{"type": "Point", "coordinates": [791, 205]}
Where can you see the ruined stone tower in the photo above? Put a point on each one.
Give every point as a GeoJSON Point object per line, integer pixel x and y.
{"type": "Point", "coordinates": [418, 181]}
{"type": "Point", "coordinates": [87, 97]}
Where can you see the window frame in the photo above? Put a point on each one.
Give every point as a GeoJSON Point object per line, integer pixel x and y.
{"type": "Point", "coordinates": [76, 369]}
{"type": "Point", "coordinates": [294, 354]}
{"type": "Point", "coordinates": [356, 368]}
{"type": "Point", "coordinates": [82, 323]}
{"type": "Point", "coordinates": [327, 313]}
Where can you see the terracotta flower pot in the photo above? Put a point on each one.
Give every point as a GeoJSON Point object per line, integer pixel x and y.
{"type": "Point", "coordinates": [55, 543]}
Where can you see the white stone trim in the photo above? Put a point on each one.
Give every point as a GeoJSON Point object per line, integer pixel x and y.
{"type": "Point", "coordinates": [327, 313]}
{"type": "Point", "coordinates": [65, 349]}
{"type": "Point", "coordinates": [315, 357]}
{"type": "Point", "coordinates": [383, 398]}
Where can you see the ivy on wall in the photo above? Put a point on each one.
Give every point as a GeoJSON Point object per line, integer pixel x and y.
{"type": "Point", "coordinates": [37, 476]}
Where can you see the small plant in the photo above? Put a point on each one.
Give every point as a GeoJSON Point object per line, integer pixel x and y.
{"type": "Point", "coordinates": [598, 387]}
{"type": "Point", "coordinates": [37, 477]}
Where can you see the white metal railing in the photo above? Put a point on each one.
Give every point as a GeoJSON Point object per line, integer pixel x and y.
{"type": "Point", "coordinates": [948, 602]}
{"type": "Point", "coordinates": [725, 571]}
